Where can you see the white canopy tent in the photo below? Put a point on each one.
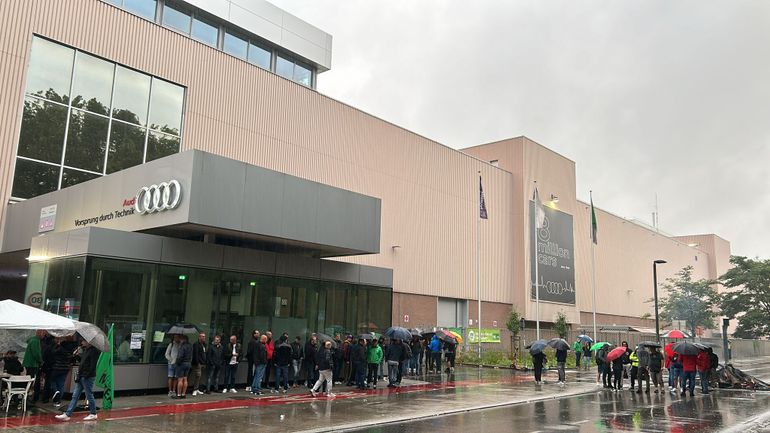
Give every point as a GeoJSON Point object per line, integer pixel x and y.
{"type": "Point", "coordinates": [17, 316]}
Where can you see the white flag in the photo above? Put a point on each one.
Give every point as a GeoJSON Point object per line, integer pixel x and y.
{"type": "Point", "coordinates": [539, 211]}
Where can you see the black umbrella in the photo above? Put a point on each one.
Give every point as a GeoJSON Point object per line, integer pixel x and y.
{"type": "Point", "coordinates": [183, 328]}
{"type": "Point", "coordinates": [323, 338]}
{"type": "Point", "coordinates": [398, 333]}
{"type": "Point", "coordinates": [702, 346]}
{"type": "Point", "coordinates": [536, 346]}
{"type": "Point", "coordinates": [650, 344]}
{"type": "Point", "coordinates": [559, 344]}
{"type": "Point", "coordinates": [686, 348]}
{"type": "Point", "coordinates": [366, 336]}
{"type": "Point", "coordinates": [416, 332]}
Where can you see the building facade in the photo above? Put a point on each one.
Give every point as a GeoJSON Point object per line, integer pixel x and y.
{"type": "Point", "coordinates": [103, 98]}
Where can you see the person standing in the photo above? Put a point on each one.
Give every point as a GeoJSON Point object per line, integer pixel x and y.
{"type": "Point", "coordinates": [675, 371]}
{"type": "Point", "coordinates": [282, 359]}
{"type": "Point", "coordinates": [435, 355]}
{"type": "Point", "coordinates": [603, 366]}
{"type": "Point", "coordinates": [626, 361]}
{"type": "Point", "coordinates": [214, 361]}
{"type": "Point", "coordinates": [586, 356]}
{"type": "Point", "coordinates": [373, 358]}
{"type": "Point", "coordinates": [324, 365]}
{"type": "Point", "coordinates": [198, 362]}
{"type": "Point", "coordinates": [270, 346]}
{"type": "Point", "coordinates": [296, 360]}
{"type": "Point", "coordinates": [84, 382]}
{"type": "Point", "coordinates": [250, 349]}
{"type": "Point", "coordinates": [233, 355]}
{"type": "Point", "coordinates": [703, 364]}
{"type": "Point", "coordinates": [405, 359]}
{"type": "Point", "coordinates": [561, 362]}
{"type": "Point", "coordinates": [617, 373]}
{"type": "Point", "coordinates": [358, 359]}
{"type": "Point", "coordinates": [260, 363]}
{"type": "Point", "coordinates": [339, 361]}
{"type": "Point", "coordinates": [33, 360]}
{"type": "Point", "coordinates": [172, 351]}
{"type": "Point", "coordinates": [655, 368]}
{"type": "Point", "coordinates": [449, 355]}
{"type": "Point", "coordinates": [60, 367]}
{"type": "Point", "coordinates": [183, 366]}
{"type": "Point", "coordinates": [634, 359]}
{"type": "Point", "coordinates": [393, 355]}
{"type": "Point", "coordinates": [577, 347]}
{"type": "Point", "coordinates": [311, 350]}
{"type": "Point", "coordinates": [414, 363]}
{"type": "Point", "coordinates": [689, 366]}
{"type": "Point", "coordinates": [538, 361]}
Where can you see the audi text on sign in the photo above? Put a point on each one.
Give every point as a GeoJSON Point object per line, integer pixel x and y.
{"type": "Point", "coordinates": [160, 197]}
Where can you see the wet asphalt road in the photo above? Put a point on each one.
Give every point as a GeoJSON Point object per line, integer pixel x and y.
{"type": "Point", "coordinates": [606, 411]}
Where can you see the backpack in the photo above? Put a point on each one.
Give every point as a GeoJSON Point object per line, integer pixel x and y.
{"type": "Point", "coordinates": [714, 360]}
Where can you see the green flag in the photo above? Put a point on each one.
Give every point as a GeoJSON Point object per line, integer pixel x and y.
{"type": "Point", "coordinates": [593, 221]}
{"type": "Point", "coordinates": [105, 375]}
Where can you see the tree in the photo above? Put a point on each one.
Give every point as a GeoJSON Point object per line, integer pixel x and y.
{"type": "Point", "coordinates": [688, 300]}
{"type": "Point", "coordinates": [750, 301]}
{"type": "Point", "coordinates": [560, 325]}
{"type": "Point", "coordinates": [514, 326]}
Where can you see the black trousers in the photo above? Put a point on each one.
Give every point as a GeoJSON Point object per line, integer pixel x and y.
{"type": "Point", "coordinates": [538, 372]}
{"type": "Point", "coordinates": [371, 376]}
{"type": "Point", "coordinates": [266, 378]}
{"type": "Point", "coordinates": [618, 375]}
{"type": "Point", "coordinates": [634, 373]}
{"type": "Point", "coordinates": [249, 372]}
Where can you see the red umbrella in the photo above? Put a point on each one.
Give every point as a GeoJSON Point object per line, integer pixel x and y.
{"type": "Point", "coordinates": [616, 353]}
{"type": "Point", "coordinates": [675, 334]}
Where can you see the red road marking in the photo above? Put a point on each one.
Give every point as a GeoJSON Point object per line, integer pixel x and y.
{"type": "Point", "coordinates": [172, 409]}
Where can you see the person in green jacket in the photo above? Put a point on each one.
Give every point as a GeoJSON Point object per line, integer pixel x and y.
{"type": "Point", "coordinates": [373, 359]}
{"type": "Point", "coordinates": [577, 347]}
{"type": "Point", "coordinates": [33, 360]}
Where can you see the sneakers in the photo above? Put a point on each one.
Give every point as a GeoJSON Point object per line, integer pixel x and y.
{"type": "Point", "coordinates": [248, 389]}
{"type": "Point", "coordinates": [196, 392]}
{"type": "Point", "coordinates": [91, 417]}
{"type": "Point", "coordinates": [313, 393]}
{"type": "Point", "coordinates": [171, 394]}
{"type": "Point", "coordinates": [224, 391]}
{"type": "Point", "coordinates": [285, 390]}
{"type": "Point", "coordinates": [330, 395]}
{"type": "Point", "coordinates": [56, 394]}
{"type": "Point", "coordinates": [62, 417]}
{"type": "Point", "coordinates": [233, 390]}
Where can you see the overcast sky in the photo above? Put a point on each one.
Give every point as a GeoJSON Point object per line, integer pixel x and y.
{"type": "Point", "coordinates": [666, 97]}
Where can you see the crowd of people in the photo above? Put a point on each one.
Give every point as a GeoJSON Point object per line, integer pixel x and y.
{"type": "Point", "coordinates": [276, 365]}
{"type": "Point", "coordinates": [642, 365]}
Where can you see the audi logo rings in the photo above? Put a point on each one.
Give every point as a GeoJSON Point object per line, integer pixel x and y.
{"type": "Point", "coordinates": [160, 197]}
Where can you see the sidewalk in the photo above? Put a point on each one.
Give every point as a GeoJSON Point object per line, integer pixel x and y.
{"type": "Point", "coordinates": [467, 389]}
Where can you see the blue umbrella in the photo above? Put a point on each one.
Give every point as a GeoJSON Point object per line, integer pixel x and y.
{"type": "Point", "coordinates": [585, 339]}
{"type": "Point", "coordinates": [398, 333]}
{"type": "Point", "coordinates": [537, 346]}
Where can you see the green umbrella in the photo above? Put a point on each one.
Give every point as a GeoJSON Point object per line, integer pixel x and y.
{"type": "Point", "coordinates": [599, 345]}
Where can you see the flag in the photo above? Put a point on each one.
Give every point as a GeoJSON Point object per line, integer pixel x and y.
{"type": "Point", "coordinates": [539, 211]}
{"type": "Point", "coordinates": [105, 376]}
{"type": "Point", "coordinates": [482, 202]}
{"type": "Point", "coordinates": [593, 221]}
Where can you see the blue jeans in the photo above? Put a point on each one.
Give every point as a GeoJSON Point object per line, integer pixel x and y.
{"type": "Point", "coordinates": [704, 381]}
{"type": "Point", "coordinates": [688, 376]}
{"type": "Point", "coordinates": [674, 374]}
{"type": "Point", "coordinates": [415, 364]}
{"type": "Point", "coordinates": [296, 365]}
{"type": "Point", "coordinates": [213, 378]}
{"type": "Point", "coordinates": [256, 384]}
{"type": "Point", "coordinates": [393, 369]}
{"type": "Point", "coordinates": [230, 370]}
{"type": "Point", "coordinates": [57, 381]}
{"type": "Point", "coordinates": [360, 373]}
{"type": "Point", "coordinates": [84, 384]}
{"type": "Point", "coordinates": [281, 373]}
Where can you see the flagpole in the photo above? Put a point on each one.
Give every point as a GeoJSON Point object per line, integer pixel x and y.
{"type": "Point", "coordinates": [537, 274]}
{"type": "Point", "coordinates": [478, 269]}
{"type": "Point", "coordinates": [593, 260]}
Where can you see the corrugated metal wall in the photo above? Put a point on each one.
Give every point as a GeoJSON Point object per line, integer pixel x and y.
{"type": "Point", "coordinates": [429, 192]}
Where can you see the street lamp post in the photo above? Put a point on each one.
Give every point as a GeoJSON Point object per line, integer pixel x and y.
{"type": "Point", "coordinates": [655, 291]}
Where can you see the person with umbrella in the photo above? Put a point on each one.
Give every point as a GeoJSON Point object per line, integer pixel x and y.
{"type": "Point", "coordinates": [603, 365]}
{"type": "Point", "coordinates": [586, 355]}
{"type": "Point", "coordinates": [449, 355]}
{"type": "Point", "coordinates": [577, 347]}
{"type": "Point", "coordinates": [373, 358]}
{"type": "Point", "coordinates": [675, 371]}
{"type": "Point", "coordinates": [84, 382]}
{"type": "Point", "coordinates": [704, 366]}
{"type": "Point", "coordinates": [644, 364]}
{"type": "Point", "coordinates": [615, 357]}
{"type": "Point", "coordinates": [393, 355]}
{"type": "Point", "coordinates": [656, 368]}
{"type": "Point", "coordinates": [689, 356]}
{"type": "Point", "coordinates": [435, 355]}
{"type": "Point", "coordinates": [561, 347]}
{"type": "Point", "coordinates": [538, 361]}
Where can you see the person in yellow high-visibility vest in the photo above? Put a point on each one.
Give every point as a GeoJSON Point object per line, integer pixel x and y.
{"type": "Point", "coordinates": [634, 369]}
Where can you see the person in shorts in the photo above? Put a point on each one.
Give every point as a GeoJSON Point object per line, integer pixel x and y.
{"type": "Point", "coordinates": [171, 353]}
{"type": "Point", "coordinates": [183, 366]}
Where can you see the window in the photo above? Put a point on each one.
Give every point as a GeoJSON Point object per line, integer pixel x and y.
{"type": "Point", "coordinates": [259, 56]}
{"type": "Point", "coordinates": [302, 75]}
{"type": "Point", "coordinates": [284, 67]}
{"type": "Point", "coordinates": [65, 140]}
{"type": "Point", "coordinates": [205, 32]}
{"type": "Point", "coordinates": [143, 8]}
{"type": "Point", "coordinates": [235, 46]}
{"type": "Point", "coordinates": [296, 72]}
{"type": "Point", "coordinates": [176, 19]}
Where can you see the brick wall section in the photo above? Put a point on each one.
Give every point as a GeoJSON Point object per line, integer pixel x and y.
{"type": "Point", "coordinates": [421, 309]}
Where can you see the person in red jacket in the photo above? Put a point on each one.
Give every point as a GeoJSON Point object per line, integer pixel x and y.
{"type": "Point", "coordinates": [689, 363]}
{"type": "Point", "coordinates": [270, 349]}
{"type": "Point", "coordinates": [703, 363]}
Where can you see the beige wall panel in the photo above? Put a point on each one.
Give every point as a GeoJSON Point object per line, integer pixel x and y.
{"type": "Point", "coordinates": [429, 192]}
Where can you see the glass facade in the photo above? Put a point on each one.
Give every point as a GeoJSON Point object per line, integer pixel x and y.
{"type": "Point", "coordinates": [85, 117]}
{"type": "Point", "coordinates": [143, 300]}
{"type": "Point", "coordinates": [183, 19]}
